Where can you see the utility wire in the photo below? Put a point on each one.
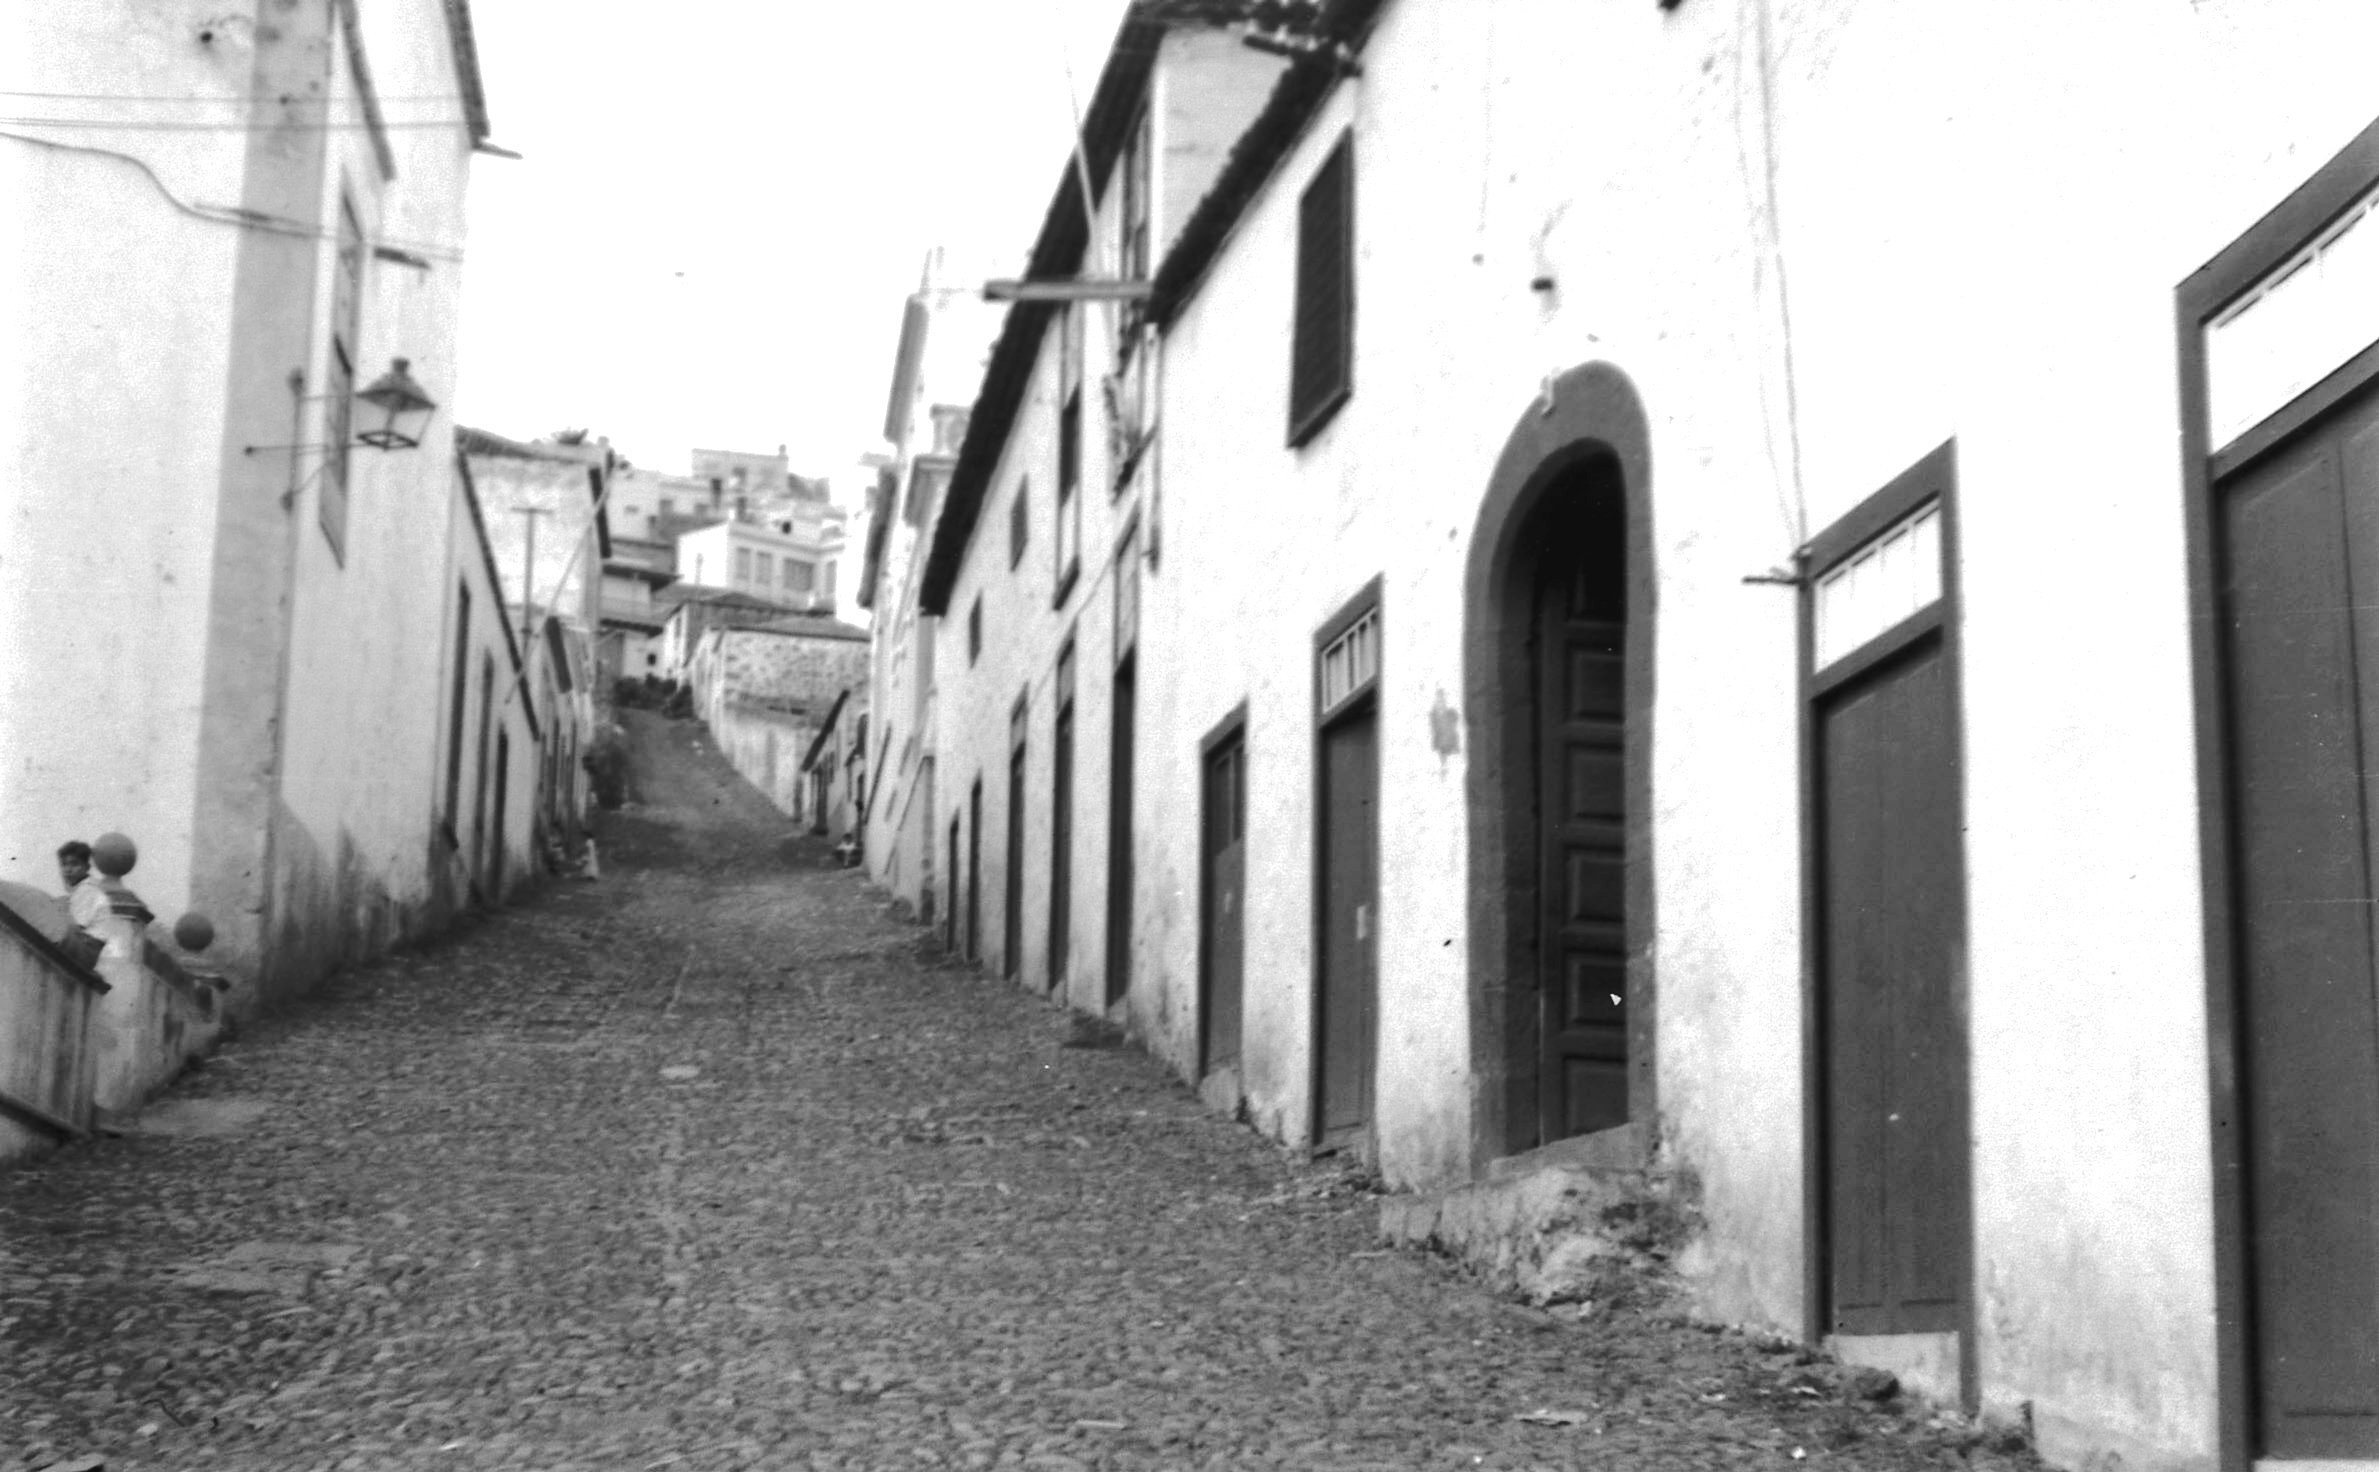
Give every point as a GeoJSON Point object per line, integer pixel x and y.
{"type": "Point", "coordinates": [167, 125]}
{"type": "Point", "coordinates": [204, 96]}
{"type": "Point", "coordinates": [224, 214]}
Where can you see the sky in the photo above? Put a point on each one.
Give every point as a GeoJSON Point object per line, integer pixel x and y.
{"type": "Point", "coordinates": [721, 207]}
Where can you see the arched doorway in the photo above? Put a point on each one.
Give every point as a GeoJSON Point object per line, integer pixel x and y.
{"type": "Point", "coordinates": [1558, 675]}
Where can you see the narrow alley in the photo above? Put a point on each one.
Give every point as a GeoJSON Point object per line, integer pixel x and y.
{"type": "Point", "coordinates": [710, 1163]}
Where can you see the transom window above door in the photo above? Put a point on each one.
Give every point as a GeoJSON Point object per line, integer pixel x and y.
{"type": "Point", "coordinates": [1893, 576]}
{"type": "Point", "coordinates": [2303, 318]}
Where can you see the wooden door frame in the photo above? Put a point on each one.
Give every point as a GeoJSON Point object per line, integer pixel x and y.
{"type": "Point", "coordinates": [1012, 877]}
{"type": "Point", "coordinates": [1363, 700]}
{"type": "Point", "coordinates": [974, 871]}
{"type": "Point", "coordinates": [1065, 763]}
{"type": "Point", "coordinates": [1232, 727]}
{"type": "Point", "coordinates": [1588, 412]}
{"type": "Point", "coordinates": [950, 943]}
{"type": "Point", "coordinates": [1932, 480]}
{"type": "Point", "coordinates": [1123, 759]}
{"type": "Point", "coordinates": [2286, 228]}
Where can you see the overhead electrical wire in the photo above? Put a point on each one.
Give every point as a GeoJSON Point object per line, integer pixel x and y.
{"type": "Point", "coordinates": [454, 97]}
{"type": "Point", "coordinates": [277, 125]}
{"type": "Point", "coordinates": [226, 215]}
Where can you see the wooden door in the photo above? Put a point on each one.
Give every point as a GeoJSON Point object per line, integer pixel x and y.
{"type": "Point", "coordinates": [1892, 922]}
{"type": "Point", "coordinates": [1061, 836]}
{"type": "Point", "coordinates": [1581, 819]}
{"type": "Point", "coordinates": [2298, 576]}
{"type": "Point", "coordinates": [1119, 834]}
{"type": "Point", "coordinates": [1012, 945]}
{"type": "Point", "coordinates": [950, 941]}
{"type": "Point", "coordinates": [1222, 894]}
{"type": "Point", "coordinates": [1349, 924]}
{"type": "Point", "coordinates": [974, 871]}
{"type": "Point", "coordinates": [495, 836]}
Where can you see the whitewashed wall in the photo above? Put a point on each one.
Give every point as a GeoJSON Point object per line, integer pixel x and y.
{"type": "Point", "coordinates": [1979, 219]}
{"type": "Point", "coordinates": [361, 731]}
{"type": "Point", "coordinates": [112, 442]}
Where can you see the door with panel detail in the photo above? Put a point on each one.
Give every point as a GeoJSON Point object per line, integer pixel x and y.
{"type": "Point", "coordinates": [1581, 644]}
{"type": "Point", "coordinates": [1349, 925]}
{"type": "Point", "coordinates": [1890, 915]}
{"type": "Point", "coordinates": [2298, 583]}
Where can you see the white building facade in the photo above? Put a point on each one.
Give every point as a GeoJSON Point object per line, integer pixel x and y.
{"type": "Point", "coordinates": [229, 663]}
{"type": "Point", "coordinates": [1646, 636]}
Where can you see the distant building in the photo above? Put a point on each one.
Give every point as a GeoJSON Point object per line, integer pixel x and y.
{"type": "Point", "coordinates": [791, 568]}
{"type": "Point", "coordinates": [689, 610]}
{"type": "Point", "coordinates": [545, 507]}
{"type": "Point", "coordinates": [630, 644]}
{"type": "Point", "coordinates": [835, 768]}
{"type": "Point", "coordinates": [937, 366]}
{"type": "Point", "coordinates": [648, 506]}
{"type": "Point", "coordinates": [767, 689]}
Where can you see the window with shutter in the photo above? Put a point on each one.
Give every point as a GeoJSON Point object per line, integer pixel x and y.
{"type": "Point", "coordinates": [1069, 451]}
{"type": "Point", "coordinates": [1321, 363]}
{"type": "Point", "coordinates": [346, 314]}
{"type": "Point", "coordinates": [1018, 521]}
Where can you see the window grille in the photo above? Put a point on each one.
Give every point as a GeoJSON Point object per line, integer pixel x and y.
{"type": "Point", "coordinates": [1350, 662]}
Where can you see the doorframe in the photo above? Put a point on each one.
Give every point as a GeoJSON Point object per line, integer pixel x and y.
{"type": "Point", "coordinates": [1364, 699]}
{"type": "Point", "coordinates": [1934, 479]}
{"type": "Point", "coordinates": [974, 871]}
{"type": "Point", "coordinates": [1065, 765]}
{"type": "Point", "coordinates": [1232, 726]}
{"type": "Point", "coordinates": [1586, 412]}
{"type": "Point", "coordinates": [2286, 228]}
{"type": "Point", "coordinates": [1019, 842]}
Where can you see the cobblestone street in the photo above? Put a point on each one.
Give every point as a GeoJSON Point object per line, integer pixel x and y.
{"type": "Point", "coordinates": [710, 1163]}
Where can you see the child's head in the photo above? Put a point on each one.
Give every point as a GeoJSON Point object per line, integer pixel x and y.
{"type": "Point", "coordinates": [74, 861]}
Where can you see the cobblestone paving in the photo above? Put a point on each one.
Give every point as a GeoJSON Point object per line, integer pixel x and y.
{"type": "Point", "coordinates": [709, 1164]}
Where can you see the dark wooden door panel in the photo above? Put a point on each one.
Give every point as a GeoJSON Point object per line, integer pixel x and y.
{"type": "Point", "coordinates": [1061, 850]}
{"type": "Point", "coordinates": [1012, 959]}
{"type": "Point", "coordinates": [1119, 835]}
{"type": "Point", "coordinates": [1350, 793]}
{"type": "Point", "coordinates": [1581, 745]}
{"type": "Point", "coordinates": [2298, 558]}
{"type": "Point", "coordinates": [974, 871]}
{"type": "Point", "coordinates": [1894, 1011]}
{"type": "Point", "coordinates": [1221, 947]}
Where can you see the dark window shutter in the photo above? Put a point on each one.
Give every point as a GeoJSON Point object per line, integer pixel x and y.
{"type": "Point", "coordinates": [1321, 365]}
{"type": "Point", "coordinates": [1017, 523]}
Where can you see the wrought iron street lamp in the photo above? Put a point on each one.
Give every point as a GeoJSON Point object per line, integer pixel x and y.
{"type": "Point", "coordinates": [406, 408]}
{"type": "Point", "coordinates": [402, 408]}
